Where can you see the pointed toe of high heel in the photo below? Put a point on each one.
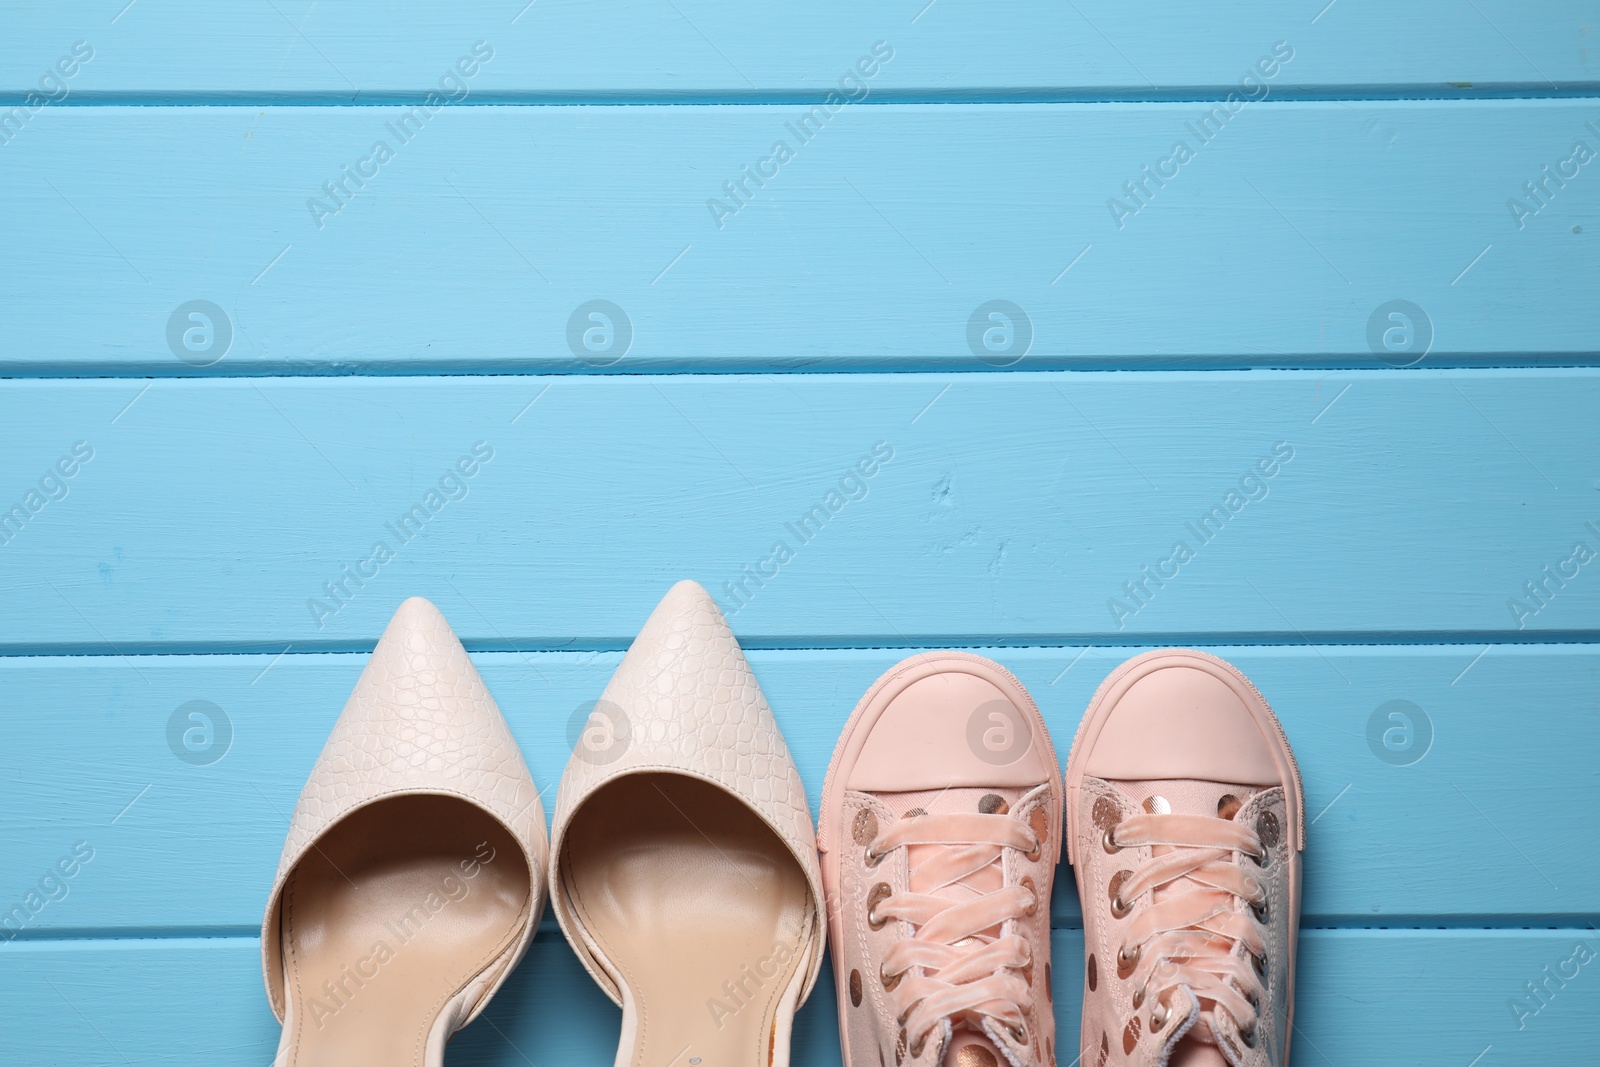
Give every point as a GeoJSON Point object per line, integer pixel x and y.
{"type": "Point", "coordinates": [684, 868]}
{"type": "Point", "coordinates": [413, 875]}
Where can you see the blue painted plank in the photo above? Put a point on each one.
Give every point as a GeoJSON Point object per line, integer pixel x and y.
{"type": "Point", "coordinates": [903, 237]}
{"type": "Point", "coordinates": [95, 760]}
{"type": "Point", "coordinates": [250, 515]}
{"type": "Point", "coordinates": [561, 48]}
{"type": "Point", "coordinates": [1364, 996]}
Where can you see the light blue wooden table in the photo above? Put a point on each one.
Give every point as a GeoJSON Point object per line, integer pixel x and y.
{"type": "Point", "coordinates": [268, 269]}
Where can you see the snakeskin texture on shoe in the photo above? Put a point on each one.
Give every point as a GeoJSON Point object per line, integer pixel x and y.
{"type": "Point", "coordinates": [420, 721]}
{"type": "Point", "coordinates": [684, 701]}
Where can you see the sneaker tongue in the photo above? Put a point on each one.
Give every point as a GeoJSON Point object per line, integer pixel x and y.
{"type": "Point", "coordinates": [1186, 796]}
{"type": "Point", "coordinates": [947, 801]}
{"type": "Point", "coordinates": [970, 1048]}
{"type": "Point", "coordinates": [965, 800]}
{"type": "Point", "coordinates": [969, 1045]}
{"type": "Point", "coordinates": [1197, 1049]}
{"type": "Point", "coordinates": [1189, 796]}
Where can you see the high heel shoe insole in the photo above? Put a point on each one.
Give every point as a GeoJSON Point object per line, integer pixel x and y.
{"type": "Point", "coordinates": [699, 907]}
{"type": "Point", "coordinates": [387, 917]}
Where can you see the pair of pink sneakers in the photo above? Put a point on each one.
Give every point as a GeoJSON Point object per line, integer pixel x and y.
{"type": "Point", "coordinates": [940, 831]}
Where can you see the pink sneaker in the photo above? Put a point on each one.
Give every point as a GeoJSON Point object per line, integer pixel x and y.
{"type": "Point", "coordinates": [1185, 825]}
{"type": "Point", "coordinates": [940, 832]}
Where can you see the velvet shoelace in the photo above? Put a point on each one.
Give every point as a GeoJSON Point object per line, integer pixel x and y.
{"type": "Point", "coordinates": [957, 967]}
{"type": "Point", "coordinates": [1191, 932]}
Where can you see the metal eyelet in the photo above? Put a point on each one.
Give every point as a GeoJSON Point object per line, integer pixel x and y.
{"type": "Point", "coordinates": [1252, 997]}
{"type": "Point", "coordinates": [1249, 994]}
{"type": "Point", "coordinates": [918, 1045]}
{"type": "Point", "coordinates": [1027, 883]}
{"type": "Point", "coordinates": [1109, 843]}
{"type": "Point", "coordinates": [878, 895]}
{"type": "Point", "coordinates": [1119, 907]}
{"type": "Point", "coordinates": [1261, 858]}
{"type": "Point", "coordinates": [1159, 1016]}
{"type": "Point", "coordinates": [1138, 998]}
{"type": "Point", "coordinates": [1019, 1034]}
{"type": "Point", "coordinates": [1127, 961]}
{"type": "Point", "coordinates": [1262, 911]}
{"type": "Point", "coordinates": [1259, 963]}
{"type": "Point", "coordinates": [872, 858]}
{"type": "Point", "coordinates": [889, 980]}
{"type": "Point", "coordinates": [1248, 1036]}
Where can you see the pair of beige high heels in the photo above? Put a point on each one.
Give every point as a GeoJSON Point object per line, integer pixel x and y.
{"type": "Point", "coordinates": [416, 865]}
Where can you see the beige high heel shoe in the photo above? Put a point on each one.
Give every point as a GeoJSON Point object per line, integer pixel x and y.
{"type": "Point", "coordinates": [685, 871]}
{"type": "Point", "coordinates": [413, 875]}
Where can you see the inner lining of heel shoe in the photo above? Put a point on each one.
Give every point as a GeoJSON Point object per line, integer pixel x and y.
{"type": "Point", "coordinates": [700, 910]}
{"type": "Point", "coordinates": [387, 916]}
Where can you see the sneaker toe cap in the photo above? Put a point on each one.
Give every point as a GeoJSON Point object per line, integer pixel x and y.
{"type": "Point", "coordinates": [1182, 721]}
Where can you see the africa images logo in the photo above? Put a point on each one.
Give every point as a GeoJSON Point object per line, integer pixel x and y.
{"type": "Point", "coordinates": [453, 485]}
{"type": "Point", "coordinates": [402, 928]}
{"type": "Point", "coordinates": [52, 486]}
{"type": "Point", "coordinates": [1252, 487]}
{"type": "Point", "coordinates": [51, 88]}
{"type": "Point", "coordinates": [1205, 128]}
{"type": "Point", "coordinates": [853, 484]}
{"type": "Point", "coordinates": [451, 88]}
{"type": "Point", "coordinates": [851, 88]}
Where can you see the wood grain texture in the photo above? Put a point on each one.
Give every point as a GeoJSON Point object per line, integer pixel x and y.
{"type": "Point", "coordinates": [242, 514]}
{"type": "Point", "coordinates": [1513, 732]}
{"type": "Point", "coordinates": [566, 48]}
{"type": "Point", "coordinates": [1364, 996]}
{"type": "Point", "coordinates": [473, 248]}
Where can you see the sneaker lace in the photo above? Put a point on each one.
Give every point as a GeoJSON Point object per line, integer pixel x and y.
{"type": "Point", "coordinates": [955, 967]}
{"type": "Point", "coordinates": [1193, 934]}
